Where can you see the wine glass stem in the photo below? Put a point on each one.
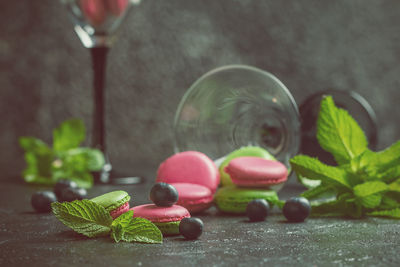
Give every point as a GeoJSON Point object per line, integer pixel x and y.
{"type": "Point", "coordinates": [99, 58]}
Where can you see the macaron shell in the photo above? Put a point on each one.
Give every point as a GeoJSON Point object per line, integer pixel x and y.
{"type": "Point", "coordinates": [248, 151]}
{"type": "Point", "coordinates": [189, 167]}
{"type": "Point", "coordinates": [112, 200]}
{"type": "Point", "coordinates": [256, 172]}
{"type": "Point", "coordinates": [157, 214]}
{"type": "Point", "coordinates": [232, 199]}
{"type": "Point", "coordinates": [195, 198]}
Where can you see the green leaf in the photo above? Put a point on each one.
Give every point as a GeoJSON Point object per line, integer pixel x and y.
{"type": "Point", "coordinates": [384, 165]}
{"type": "Point", "coordinates": [39, 158]}
{"type": "Point", "coordinates": [389, 202]}
{"type": "Point", "coordinates": [117, 232]}
{"type": "Point", "coordinates": [70, 134]}
{"type": "Point", "coordinates": [130, 229]}
{"type": "Point", "coordinates": [395, 186]}
{"type": "Point", "coordinates": [308, 182]}
{"type": "Point", "coordinates": [370, 188]}
{"type": "Point", "coordinates": [82, 179]}
{"type": "Point", "coordinates": [34, 145]}
{"type": "Point", "coordinates": [370, 201]}
{"type": "Point", "coordinates": [332, 208]}
{"type": "Point", "coordinates": [393, 213]}
{"type": "Point", "coordinates": [318, 192]}
{"type": "Point", "coordinates": [338, 133]}
{"type": "Point", "coordinates": [313, 169]}
{"type": "Point", "coordinates": [390, 156]}
{"type": "Point", "coordinates": [83, 216]}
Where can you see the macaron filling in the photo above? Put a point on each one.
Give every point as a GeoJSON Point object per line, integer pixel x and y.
{"type": "Point", "coordinates": [122, 209]}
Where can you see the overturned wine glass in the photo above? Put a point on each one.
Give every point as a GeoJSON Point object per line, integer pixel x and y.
{"type": "Point", "coordinates": [234, 106]}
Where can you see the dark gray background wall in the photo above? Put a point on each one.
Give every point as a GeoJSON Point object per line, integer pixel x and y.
{"type": "Point", "coordinates": [164, 46]}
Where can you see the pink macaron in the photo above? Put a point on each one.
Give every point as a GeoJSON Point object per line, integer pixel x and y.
{"type": "Point", "coordinates": [167, 219]}
{"type": "Point", "coordinates": [194, 197]}
{"type": "Point", "coordinates": [256, 172]}
{"type": "Point", "coordinates": [189, 167]}
{"type": "Point", "coordinates": [194, 175]}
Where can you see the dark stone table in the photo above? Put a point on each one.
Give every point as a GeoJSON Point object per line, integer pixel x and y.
{"type": "Point", "coordinates": [31, 239]}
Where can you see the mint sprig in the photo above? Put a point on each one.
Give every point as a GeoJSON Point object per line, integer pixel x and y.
{"type": "Point", "coordinates": [129, 229]}
{"type": "Point", "coordinates": [64, 160]}
{"type": "Point", "coordinates": [364, 183]}
{"type": "Point", "coordinates": [83, 216]}
{"type": "Point", "coordinates": [92, 220]}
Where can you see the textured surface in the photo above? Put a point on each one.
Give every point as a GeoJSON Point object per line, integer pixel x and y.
{"type": "Point", "coordinates": [165, 46]}
{"type": "Point", "coordinates": [28, 238]}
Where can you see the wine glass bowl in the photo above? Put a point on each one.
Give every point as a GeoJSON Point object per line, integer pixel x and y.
{"type": "Point", "coordinates": [235, 106]}
{"type": "Point", "coordinates": [96, 21]}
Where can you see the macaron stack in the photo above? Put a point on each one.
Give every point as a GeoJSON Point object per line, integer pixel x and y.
{"type": "Point", "coordinates": [248, 174]}
{"type": "Point", "coordinates": [163, 213]}
{"type": "Point", "coordinates": [194, 175]}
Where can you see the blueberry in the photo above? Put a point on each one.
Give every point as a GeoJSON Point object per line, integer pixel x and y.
{"type": "Point", "coordinates": [296, 209]}
{"type": "Point", "coordinates": [191, 228]}
{"type": "Point", "coordinates": [41, 201]}
{"type": "Point", "coordinates": [164, 195]}
{"type": "Point", "coordinates": [63, 184]}
{"type": "Point", "coordinates": [257, 210]}
{"type": "Point", "coordinates": [71, 194]}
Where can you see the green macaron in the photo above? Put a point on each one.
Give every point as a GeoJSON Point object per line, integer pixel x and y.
{"type": "Point", "coordinates": [112, 200]}
{"type": "Point", "coordinates": [232, 199]}
{"type": "Point", "coordinates": [247, 151]}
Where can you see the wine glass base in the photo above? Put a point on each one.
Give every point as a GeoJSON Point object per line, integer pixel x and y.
{"type": "Point", "coordinates": [107, 176]}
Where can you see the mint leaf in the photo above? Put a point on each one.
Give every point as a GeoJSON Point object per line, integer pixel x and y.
{"type": "Point", "coordinates": [87, 158]}
{"type": "Point", "coordinates": [328, 209]}
{"type": "Point", "coordinates": [393, 213]}
{"type": "Point", "coordinates": [34, 145]}
{"type": "Point", "coordinates": [70, 134]}
{"type": "Point", "coordinates": [313, 169]}
{"type": "Point", "coordinates": [370, 188]}
{"type": "Point", "coordinates": [39, 158]}
{"type": "Point", "coordinates": [370, 201]}
{"type": "Point", "coordinates": [308, 182]}
{"type": "Point", "coordinates": [338, 133]}
{"type": "Point", "coordinates": [83, 216]}
{"type": "Point", "coordinates": [389, 202]}
{"type": "Point", "coordinates": [130, 229]}
{"type": "Point", "coordinates": [318, 192]}
{"type": "Point", "coordinates": [395, 186]}
{"type": "Point", "coordinates": [117, 232]}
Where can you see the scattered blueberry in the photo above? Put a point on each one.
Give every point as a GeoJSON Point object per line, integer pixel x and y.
{"type": "Point", "coordinates": [296, 209]}
{"type": "Point", "coordinates": [164, 195]}
{"type": "Point", "coordinates": [63, 184]}
{"type": "Point", "coordinates": [71, 194]}
{"type": "Point", "coordinates": [257, 210]}
{"type": "Point", "coordinates": [191, 228]}
{"type": "Point", "coordinates": [41, 201]}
